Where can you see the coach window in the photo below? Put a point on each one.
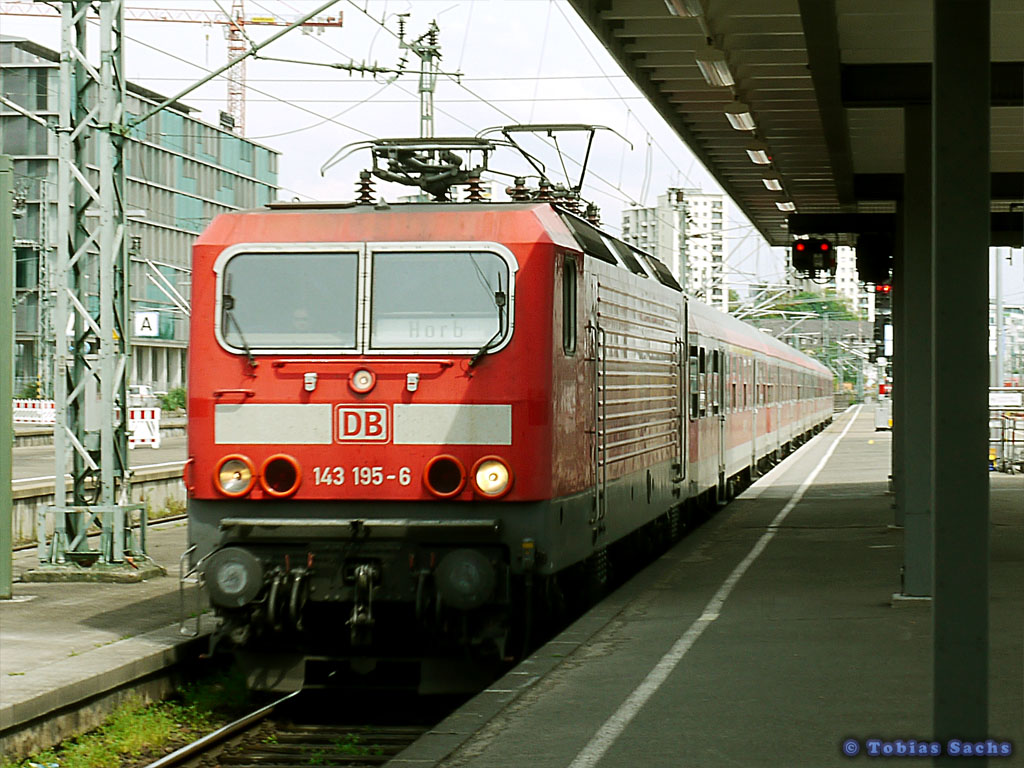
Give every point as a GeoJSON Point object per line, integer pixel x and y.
{"type": "Point", "coordinates": [454, 299]}
{"type": "Point", "coordinates": [288, 300]}
{"type": "Point", "coordinates": [569, 305]}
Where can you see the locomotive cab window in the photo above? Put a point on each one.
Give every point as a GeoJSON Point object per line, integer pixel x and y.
{"type": "Point", "coordinates": [569, 305]}
{"type": "Point", "coordinates": [452, 299]}
{"type": "Point", "coordinates": [289, 300]}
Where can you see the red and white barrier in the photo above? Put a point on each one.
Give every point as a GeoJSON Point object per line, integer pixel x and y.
{"type": "Point", "coordinates": [144, 427]}
{"type": "Point", "coordinates": [34, 412]}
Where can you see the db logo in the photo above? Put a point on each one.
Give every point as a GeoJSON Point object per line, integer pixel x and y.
{"type": "Point", "coordinates": [363, 424]}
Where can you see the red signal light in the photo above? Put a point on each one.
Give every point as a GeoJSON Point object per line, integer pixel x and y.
{"type": "Point", "coordinates": [884, 288]}
{"type": "Point", "coordinates": [799, 246]}
{"type": "Point", "coordinates": [824, 245]}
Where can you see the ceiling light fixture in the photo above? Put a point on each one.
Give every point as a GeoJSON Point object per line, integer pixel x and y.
{"type": "Point", "coordinates": [757, 151]}
{"type": "Point", "coordinates": [772, 182]}
{"type": "Point", "coordinates": [687, 9]}
{"type": "Point", "coordinates": [739, 116]}
{"type": "Point", "coordinates": [714, 67]}
{"type": "Point", "coordinates": [785, 205]}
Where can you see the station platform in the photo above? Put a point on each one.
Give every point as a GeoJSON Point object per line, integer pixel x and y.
{"type": "Point", "coordinates": [63, 645]}
{"type": "Point", "coordinates": [767, 637]}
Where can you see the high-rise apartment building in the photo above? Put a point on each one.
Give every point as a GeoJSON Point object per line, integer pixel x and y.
{"type": "Point", "coordinates": [848, 284]}
{"type": "Point", "coordinates": [181, 172]}
{"type": "Point", "coordinates": [685, 231]}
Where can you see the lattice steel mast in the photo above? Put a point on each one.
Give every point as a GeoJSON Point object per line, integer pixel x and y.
{"type": "Point", "coordinates": [91, 282]}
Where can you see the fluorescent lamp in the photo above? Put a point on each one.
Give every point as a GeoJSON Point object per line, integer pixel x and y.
{"type": "Point", "coordinates": [758, 153]}
{"type": "Point", "coordinates": [739, 117]}
{"type": "Point", "coordinates": [772, 182]}
{"type": "Point", "coordinates": [714, 67]}
{"type": "Point", "coordinates": [785, 205]}
{"type": "Point", "coordinates": [687, 9]}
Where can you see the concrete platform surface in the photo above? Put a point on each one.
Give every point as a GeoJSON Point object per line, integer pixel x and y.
{"type": "Point", "coordinates": [759, 640]}
{"type": "Point", "coordinates": [65, 643]}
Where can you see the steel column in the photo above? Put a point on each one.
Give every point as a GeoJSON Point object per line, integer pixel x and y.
{"type": "Point", "coordinates": [961, 230]}
{"type": "Point", "coordinates": [918, 317]}
{"type": "Point", "coordinates": [898, 366]}
{"type": "Point", "coordinates": [7, 377]}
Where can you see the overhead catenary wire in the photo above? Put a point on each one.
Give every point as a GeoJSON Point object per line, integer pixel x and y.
{"type": "Point", "coordinates": [625, 197]}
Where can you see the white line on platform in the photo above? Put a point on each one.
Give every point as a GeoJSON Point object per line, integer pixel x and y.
{"type": "Point", "coordinates": [616, 724]}
{"type": "Point", "coordinates": [142, 466]}
{"type": "Point", "coordinates": [771, 477]}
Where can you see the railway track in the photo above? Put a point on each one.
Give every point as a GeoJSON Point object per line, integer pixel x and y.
{"type": "Point", "coordinates": [298, 730]}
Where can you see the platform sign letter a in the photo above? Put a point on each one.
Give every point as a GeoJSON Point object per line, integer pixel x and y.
{"type": "Point", "coordinates": [147, 323]}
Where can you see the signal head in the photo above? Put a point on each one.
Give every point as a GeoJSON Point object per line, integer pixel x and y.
{"type": "Point", "coordinates": [813, 255]}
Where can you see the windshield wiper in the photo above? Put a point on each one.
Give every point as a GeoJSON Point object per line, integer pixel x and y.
{"type": "Point", "coordinates": [228, 304]}
{"type": "Point", "coordinates": [501, 302]}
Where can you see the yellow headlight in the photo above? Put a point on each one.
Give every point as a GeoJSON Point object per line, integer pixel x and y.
{"type": "Point", "coordinates": [491, 477]}
{"type": "Point", "coordinates": [235, 476]}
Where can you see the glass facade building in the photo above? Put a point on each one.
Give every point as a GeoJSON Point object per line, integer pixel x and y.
{"type": "Point", "coordinates": [180, 173]}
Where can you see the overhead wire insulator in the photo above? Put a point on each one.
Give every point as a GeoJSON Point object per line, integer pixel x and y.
{"type": "Point", "coordinates": [364, 188]}
{"type": "Point", "coordinates": [519, 192]}
{"type": "Point", "coordinates": [475, 190]}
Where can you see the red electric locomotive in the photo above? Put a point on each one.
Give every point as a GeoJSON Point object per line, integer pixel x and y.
{"type": "Point", "coordinates": [410, 423]}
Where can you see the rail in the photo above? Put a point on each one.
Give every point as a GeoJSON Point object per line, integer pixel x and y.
{"type": "Point", "coordinates": [212, 739]}
{"type": "Point", "coordinates": [275, 736]}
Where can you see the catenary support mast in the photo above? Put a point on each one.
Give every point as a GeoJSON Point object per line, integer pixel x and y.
{"type": "Point", "coordinates": [91, 282]}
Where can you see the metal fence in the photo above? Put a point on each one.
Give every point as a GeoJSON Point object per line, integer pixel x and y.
{"type": "Point", "coordinates": [1006, 429]}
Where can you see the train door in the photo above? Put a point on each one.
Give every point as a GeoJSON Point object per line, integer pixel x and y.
{"type": "Point", "coordinates": [753, 416]}
{"type": "Point", "coordinates": [721, 375]}
{"type": "Point", "coordinates": [777, 390]}
{"type": "Point", "coordinates": [682, 367]}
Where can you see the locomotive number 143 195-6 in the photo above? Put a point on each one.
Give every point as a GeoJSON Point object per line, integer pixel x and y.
{"type": "Point", "coordinates": [360, 476]}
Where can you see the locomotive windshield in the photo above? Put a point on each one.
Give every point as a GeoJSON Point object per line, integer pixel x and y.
{"type": "Point", "coordinates": [290, 300]}
{"type": "Point", "coordinates": [438, 300]}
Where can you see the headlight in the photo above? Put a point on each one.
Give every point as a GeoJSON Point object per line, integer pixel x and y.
{"type": "Point", "coordinates": [444, 476]}
{"type": "Point", "coordinates": [235, 475]}
{"type": "Point", "coordinates": [280, 475]}
{"type": "Point", "coordinates": [234, 577]}
{"type": "Point", "coordinates": [362, 381]}
{"type": "Point", "coordinates": [492, 477]}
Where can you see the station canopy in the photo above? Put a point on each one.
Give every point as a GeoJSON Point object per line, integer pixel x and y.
{"type": "Point", "coordinates": [822, 85]}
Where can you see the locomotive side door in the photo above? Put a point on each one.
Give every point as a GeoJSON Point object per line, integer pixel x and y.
{"type": "Point", "coordinates": [598, 356]}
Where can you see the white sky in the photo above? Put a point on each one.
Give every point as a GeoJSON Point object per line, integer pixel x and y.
{"type": "Point", "coordinates": [523, 61]}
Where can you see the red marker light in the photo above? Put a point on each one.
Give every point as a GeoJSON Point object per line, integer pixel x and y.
{"type": "Point", "coordinates": [824, 246]}
{"type": "Point", "coordinates": [800, 246]}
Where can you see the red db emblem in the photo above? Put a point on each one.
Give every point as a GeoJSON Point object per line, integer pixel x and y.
{"type": "Point", "coordinates": [363, 424]}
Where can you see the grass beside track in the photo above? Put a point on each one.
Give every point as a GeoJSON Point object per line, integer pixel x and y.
{"type": "Point", "coordinates": [135, 734]}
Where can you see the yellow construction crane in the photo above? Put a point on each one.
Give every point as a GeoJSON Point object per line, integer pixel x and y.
{"type": "Point", "coordinates": [234, 31]}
